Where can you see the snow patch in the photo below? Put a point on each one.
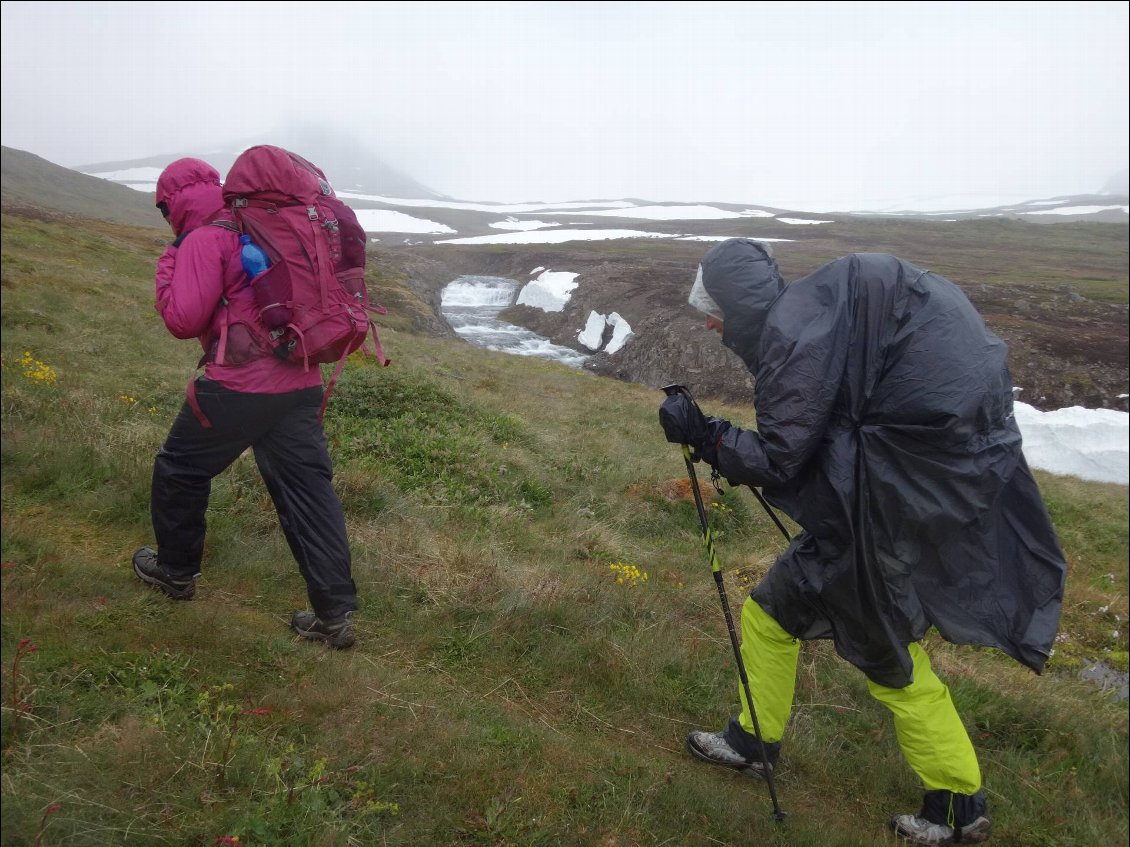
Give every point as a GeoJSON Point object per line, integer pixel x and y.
{"type": "Point", "coordinates": [549, 292]}
{"type": "Point", "coordinates": [593, 334]}
{"type": "Point", "coordinates": [521, 226]}
{"type": "Point", "coordinates": [621, 332]}
{"type": "Point", "coordinates": [555, 236]}
{"type": "Point", "coordinates": [1080, 210]}
{"type": "Point", "coordinates": [726, 238]}
{"type": "Point", "coordinates": [1087, 443]}
{"type": "Point", "coordinates": [499, 208]}
{"type": "Point", "coordinates": [671, 213]}
{"type": "Point", "coordinates": [386, 220]}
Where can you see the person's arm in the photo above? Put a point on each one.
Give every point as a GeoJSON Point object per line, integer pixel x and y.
{"type": "Point", "coordinates": [804, 352]}
{"type": "Point", "coordinates": [195, 286]}
{"type": "Point", "coordinates": [164, 276]}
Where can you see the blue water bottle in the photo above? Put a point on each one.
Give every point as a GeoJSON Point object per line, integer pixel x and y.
{"type": "Point", "coordinates": [254, 260]}
{"type": "Point", "coordinates": [272, 310]}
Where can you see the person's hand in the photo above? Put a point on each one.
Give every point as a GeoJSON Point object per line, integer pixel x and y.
{"type": "Point", "coordinates": [684, 423]}
{"type": "Point", "coordinates": [708, 450]}
{"type": "Point", "coordinates": [682, 420]}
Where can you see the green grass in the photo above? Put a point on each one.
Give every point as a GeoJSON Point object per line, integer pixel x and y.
{"type": "Point", "coordinates": [506, 690]}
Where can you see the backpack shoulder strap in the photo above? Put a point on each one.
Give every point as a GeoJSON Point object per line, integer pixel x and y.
{"type": "Point", "coordinates": [231, 226]}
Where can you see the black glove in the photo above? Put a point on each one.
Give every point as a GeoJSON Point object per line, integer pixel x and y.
{"type": "Point", "coordinates": [684, 423]}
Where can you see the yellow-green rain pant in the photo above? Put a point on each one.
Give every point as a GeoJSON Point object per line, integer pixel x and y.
{"type": "Point", "coordinates": [930, 733]}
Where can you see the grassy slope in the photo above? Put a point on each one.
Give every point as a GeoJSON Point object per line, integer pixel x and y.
{"type": "Point", "coordinates": [506, 689]}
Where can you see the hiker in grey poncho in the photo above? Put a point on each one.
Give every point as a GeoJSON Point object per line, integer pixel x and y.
{"type": "Point", "coordinates": [885, 430]}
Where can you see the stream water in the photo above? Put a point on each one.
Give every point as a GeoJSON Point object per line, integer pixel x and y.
{"type": "Point", "coordinates": [471, 305]}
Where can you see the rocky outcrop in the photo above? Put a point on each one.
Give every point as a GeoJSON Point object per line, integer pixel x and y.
{"type": "Point", "coordinates": [665, 350]}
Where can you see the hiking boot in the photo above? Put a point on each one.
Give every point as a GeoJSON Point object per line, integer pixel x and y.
{"type": "Point", "coordinates": [967, 816]}
{"type": "Point", "coordinates": [734, 748]}
{"type": "Point", "coordinates": [337, 632]}
{"type": "Point", "coordinates": [912, 829]}
{"type": "Point", "coordinates": [149, 570]}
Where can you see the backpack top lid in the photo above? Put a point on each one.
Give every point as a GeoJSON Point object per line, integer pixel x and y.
{"type": "Point", "coordinates": [272, 174]}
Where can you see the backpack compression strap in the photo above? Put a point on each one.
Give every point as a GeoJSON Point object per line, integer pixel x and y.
{"type": "Point", "coordinates": [193, 403]}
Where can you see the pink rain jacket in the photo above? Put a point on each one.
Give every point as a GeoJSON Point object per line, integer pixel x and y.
{"type": "Point", "coordinates": [202, 291]}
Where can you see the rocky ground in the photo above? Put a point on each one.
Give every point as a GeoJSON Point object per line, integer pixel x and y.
{"type": "Point", "coordinates": [1064, 350]}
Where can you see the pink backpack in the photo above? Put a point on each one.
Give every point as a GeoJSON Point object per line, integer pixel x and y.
{"type": "Point", "coordinates": [312, 300]}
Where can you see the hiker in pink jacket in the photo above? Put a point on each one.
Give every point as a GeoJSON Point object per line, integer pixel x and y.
{"type": "Point", "coordinates": [247, 397]}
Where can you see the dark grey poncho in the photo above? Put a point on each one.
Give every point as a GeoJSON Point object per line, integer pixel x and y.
{"type": "Point", "coordinates": [885, 429]}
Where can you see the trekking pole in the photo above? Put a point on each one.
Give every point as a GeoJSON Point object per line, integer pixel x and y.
{"type": "Point", "coordinates": [769, 511]}
{"type": "Point", "coordinates": [778, 813]}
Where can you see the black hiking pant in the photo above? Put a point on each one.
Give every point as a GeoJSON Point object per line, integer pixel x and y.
{"type": "Point", "coordinates": [290, 449]}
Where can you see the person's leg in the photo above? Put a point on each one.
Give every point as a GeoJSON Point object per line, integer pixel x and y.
{"type": "Point", "coordinates": [937, 748]}
{"type": "Point", "coordinates": [183, 471]}
{"type": "Point", "coordinates": [770, 658]}
{"type": "Point", "coordinates": [929, 730]}
{"type": "Point", "coordinates": [296, 467]}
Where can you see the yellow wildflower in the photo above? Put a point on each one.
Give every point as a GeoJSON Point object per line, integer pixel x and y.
{"type": "Point", "coordinates": [628, 574]}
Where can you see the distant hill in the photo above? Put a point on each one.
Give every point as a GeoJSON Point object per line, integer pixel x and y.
{"type": "Point", "coordinates": [1118, 185]}
{"type": "Point", "coordinates": [348, 163]}
{"type": "Point", "coordinates": [30, 181]}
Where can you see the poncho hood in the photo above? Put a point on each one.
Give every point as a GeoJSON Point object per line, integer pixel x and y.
{"type": "Point", "coordinates": [741, 276]}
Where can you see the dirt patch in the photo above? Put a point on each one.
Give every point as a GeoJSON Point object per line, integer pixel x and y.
{"type": "Point", "coordinates": [673, 490]}
{"type": "Point", "coordinates": [1064, 350]}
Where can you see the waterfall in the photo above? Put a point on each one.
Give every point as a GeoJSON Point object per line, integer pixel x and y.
{"type": "Point", "coordinates": [475, 292]}
{"type": "Point", "coordinates": [471, 305]}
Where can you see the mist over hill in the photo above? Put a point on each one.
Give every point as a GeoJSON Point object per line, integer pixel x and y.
{"type": "Point", "coordinates": [1118, 185]}
{"type": "Point", "coordinates": [348, 162]}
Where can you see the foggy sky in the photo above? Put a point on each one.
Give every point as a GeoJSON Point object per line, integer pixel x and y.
{"type": "Point", "coordinates": [808, 106]}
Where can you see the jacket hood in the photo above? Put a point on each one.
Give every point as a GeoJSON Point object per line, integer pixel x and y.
{"type": "Point", "coordinates": [191, 189]}
{"type": "Point", "coordinates": [741, 276]}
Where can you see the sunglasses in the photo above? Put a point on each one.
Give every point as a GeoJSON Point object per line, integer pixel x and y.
{"type": "Point", "coordinates": [163, 208]}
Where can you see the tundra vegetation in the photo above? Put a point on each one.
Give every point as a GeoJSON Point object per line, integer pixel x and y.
{"type": "Point", "coordinates": [539, 628]}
